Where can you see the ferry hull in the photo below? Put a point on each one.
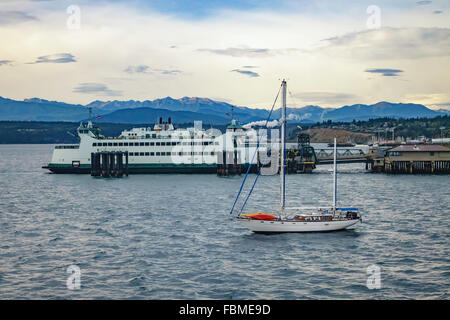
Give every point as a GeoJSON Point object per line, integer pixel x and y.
{"type": "Point", "coordinates": [261, 226]}
{"type": "Point", "coordinates": [68, 169]}
{"type": "Point", "coordinates": [139, 169]}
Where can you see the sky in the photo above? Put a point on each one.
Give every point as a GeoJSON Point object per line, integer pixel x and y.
{"type": "Point", "coordinates": [332, 52]}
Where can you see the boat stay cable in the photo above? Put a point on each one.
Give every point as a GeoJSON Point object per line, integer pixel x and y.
{"type": "Point", "coordinates": [254, 154]}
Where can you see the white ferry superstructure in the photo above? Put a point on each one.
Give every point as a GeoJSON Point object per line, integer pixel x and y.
{"type": "Point", "coordinates": [161, 149]}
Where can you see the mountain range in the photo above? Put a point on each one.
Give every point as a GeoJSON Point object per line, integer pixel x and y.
{"type": "Point", "coordinates": [187, 110]}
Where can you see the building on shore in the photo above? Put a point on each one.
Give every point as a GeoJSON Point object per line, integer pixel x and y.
{"type": "Point", "coordinates": [420, 158]}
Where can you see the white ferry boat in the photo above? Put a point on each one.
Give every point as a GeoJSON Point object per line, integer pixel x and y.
{"type": "Point", "coordinates": [161, 149]}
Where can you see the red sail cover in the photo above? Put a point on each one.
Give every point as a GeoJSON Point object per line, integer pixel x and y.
{"type": "Point", "coordinates": [260, 216]}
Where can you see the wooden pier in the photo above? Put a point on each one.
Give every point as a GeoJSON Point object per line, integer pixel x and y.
{"type": "Point", "coordinates": [412, 159]}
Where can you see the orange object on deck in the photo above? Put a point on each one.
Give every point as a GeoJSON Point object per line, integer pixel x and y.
{"type": "Point", "coordinates": [260, 216]}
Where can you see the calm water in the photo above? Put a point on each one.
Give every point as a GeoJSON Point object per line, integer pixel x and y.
{"type": "Point", "coordinates": [171, 237]}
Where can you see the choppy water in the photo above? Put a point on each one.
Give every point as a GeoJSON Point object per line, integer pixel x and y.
{"type": "Point", "coordinates": [171, 237]}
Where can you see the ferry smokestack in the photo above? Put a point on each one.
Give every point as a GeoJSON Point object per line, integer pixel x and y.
{"type": "Point", "coordinates": [170, 120]}
{"type": "Point", "coordinates": [160, 120]}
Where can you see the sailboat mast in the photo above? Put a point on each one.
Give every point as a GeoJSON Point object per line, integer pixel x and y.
{"type": "Point", "coordinates": [334, 176]}
{"type": "Point", "coordinates": [283, 150]}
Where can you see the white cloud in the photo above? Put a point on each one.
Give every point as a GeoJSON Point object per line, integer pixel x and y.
{"type": "Point", "coordinates": [96, 88]}
{"type": "Point", "coordinates": [325, 98]}
{"type": "Point", "coordinates": [391, 43]}
{"type": "Point", "coordinates": [15, 17]}
{"type": "Point", "coordinates": [56, 58]}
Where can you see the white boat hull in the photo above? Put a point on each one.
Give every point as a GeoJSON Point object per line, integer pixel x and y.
{"type": "Point", "coordinates": [265, 226]}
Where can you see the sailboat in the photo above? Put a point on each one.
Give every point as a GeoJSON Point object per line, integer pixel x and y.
{"type": "Point", "coordinates": [299, 219]}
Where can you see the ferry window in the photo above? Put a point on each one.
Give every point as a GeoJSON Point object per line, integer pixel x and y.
{"type": "Point", "coordinates": [120, 144]}
{"type": "Point", "coordinates": [158, 153]}
{"type": "Point", "coordinates": [147, 144]}
{"type": "Point", "coordinates": [147, 136]}
{"type": "Point", "coordinates": [141, 154]}
{"type": "Point", "coordinates": [152, 154]}
{"type": "Point", "coordinates": [125, 144]}
{"type": "Point", "coordinates": [115, 144]}
{"type": "Point", "coordinates": [131, 154]}
{"type": "Point", "coordinates": [141, 144]}
{"type": "Point", "coordinates": [147, 153]}
{"type": "Point", "coordinates": [94, 144]}
{"type": "Point", "coordinates": [180, 153]}
{"type": "Point", "coordinates": [431, 153]}
{"type": "Point", "coordinates": [105, 144]}
{"type": "Point", "coordinates": [213, 153]}
{"type": "Point", "coordinates": [158, 143]}
{"type": "Point", "coordinates": [163, 143]}
{"type": "Point", "coordinates": [152, 143]}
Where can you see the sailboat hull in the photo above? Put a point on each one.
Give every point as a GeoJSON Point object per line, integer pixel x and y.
{"type": "Point", "coordinates": [260, 226]}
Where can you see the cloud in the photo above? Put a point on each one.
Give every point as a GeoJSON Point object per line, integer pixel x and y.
{"type": "Point", "coordinates": [5, 62]}
{"type": "Point", "coordinates": [320, 98]}
{"type": "Point", "coordinates": [13, 17]}
{"type": "Point", "coordinates": [241, 52]}
{"type": "Point", "coordinates": [246, 72]}
{"type": "Point", "coordinates": [168, 72]}
{"type": "Point", "coordinates": [423, 3]}
{"type": "Point", "coordinates": [385, 72]}
{"type": "Point", "coordinates": [390, 43]}
{"type": "Point", "coordinates": [431, 100]}
{"type": "Point", "coordinates": [438, 11]}
{"type": "Point", "coordinates": [249, 52]}
{"type": "Point", "coordinates": [96, 88]}
{"type": "Point", "coordinates": [137, 69]}
{"type": "Point", "coordinates": [55, 58]}
{"type": "Point", "coordinates": [147, 70]}
{"type": "Point", "coordinates": [250, 67]}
